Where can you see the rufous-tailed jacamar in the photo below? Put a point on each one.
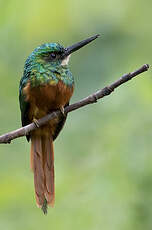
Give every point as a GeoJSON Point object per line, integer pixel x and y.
{"type": "Point", "coordinates": [47, 85]}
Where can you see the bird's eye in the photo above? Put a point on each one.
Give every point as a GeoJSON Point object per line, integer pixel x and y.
{"type": "Point", "coordinates": [53, 55]}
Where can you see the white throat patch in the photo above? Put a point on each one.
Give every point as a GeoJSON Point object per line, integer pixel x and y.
{"type": "Point", "coordinates": [65, 60]}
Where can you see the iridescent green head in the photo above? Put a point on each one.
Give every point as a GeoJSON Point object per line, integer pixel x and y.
{"type": "Point", "coordinates": [48, 53]}
{"type": "Point", "coordinates": [55, 54]}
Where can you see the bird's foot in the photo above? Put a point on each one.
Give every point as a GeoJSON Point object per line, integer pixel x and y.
{"type": "Point", "coordinates": [36, 123]}
{"type": "Point", "coordinates": [62, 111]}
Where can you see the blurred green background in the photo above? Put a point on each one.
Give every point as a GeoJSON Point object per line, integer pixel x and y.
{"type": "Point", "coordinates": [103, 157]}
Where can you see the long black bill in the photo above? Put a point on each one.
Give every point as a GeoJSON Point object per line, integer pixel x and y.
{"type": "Point", "coordinates": [79, 45]}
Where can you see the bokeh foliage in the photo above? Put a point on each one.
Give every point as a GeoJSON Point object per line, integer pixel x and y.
{"type": "Point", "coordinates": [103, 157]}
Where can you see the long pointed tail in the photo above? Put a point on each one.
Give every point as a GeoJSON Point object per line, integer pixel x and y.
{"type": "Point", "coordinates": [42, 164]}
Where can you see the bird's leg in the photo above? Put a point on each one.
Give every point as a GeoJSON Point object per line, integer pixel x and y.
{"type": "Point", "coordinates": [36, 122]}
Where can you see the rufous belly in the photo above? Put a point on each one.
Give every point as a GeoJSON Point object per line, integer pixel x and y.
{"type": "Point", "coordinates": [47, 98]}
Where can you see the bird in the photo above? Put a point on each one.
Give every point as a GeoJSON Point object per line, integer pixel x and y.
{"type": "Point", "coordinates": [46, 85]}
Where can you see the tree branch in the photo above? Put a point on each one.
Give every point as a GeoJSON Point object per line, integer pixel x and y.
{"type": "Point", "coordinates": [6, 138]}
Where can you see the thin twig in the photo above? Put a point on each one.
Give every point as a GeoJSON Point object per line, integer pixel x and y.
{"type": "Point", "coordinates": [6, 138]}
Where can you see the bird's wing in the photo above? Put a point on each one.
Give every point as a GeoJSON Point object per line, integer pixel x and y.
{"type": "Point", "coordinates": [24, 107]}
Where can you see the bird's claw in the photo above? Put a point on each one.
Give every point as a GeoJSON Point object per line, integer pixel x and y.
{"type": "Point", "coordinates": [36, 123]}
{"type": "Point", "coordinates": [62, 111]}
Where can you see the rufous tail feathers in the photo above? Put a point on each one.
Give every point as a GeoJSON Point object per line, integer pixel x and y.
{"type": "Point", "coordinates": [42, 164]}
